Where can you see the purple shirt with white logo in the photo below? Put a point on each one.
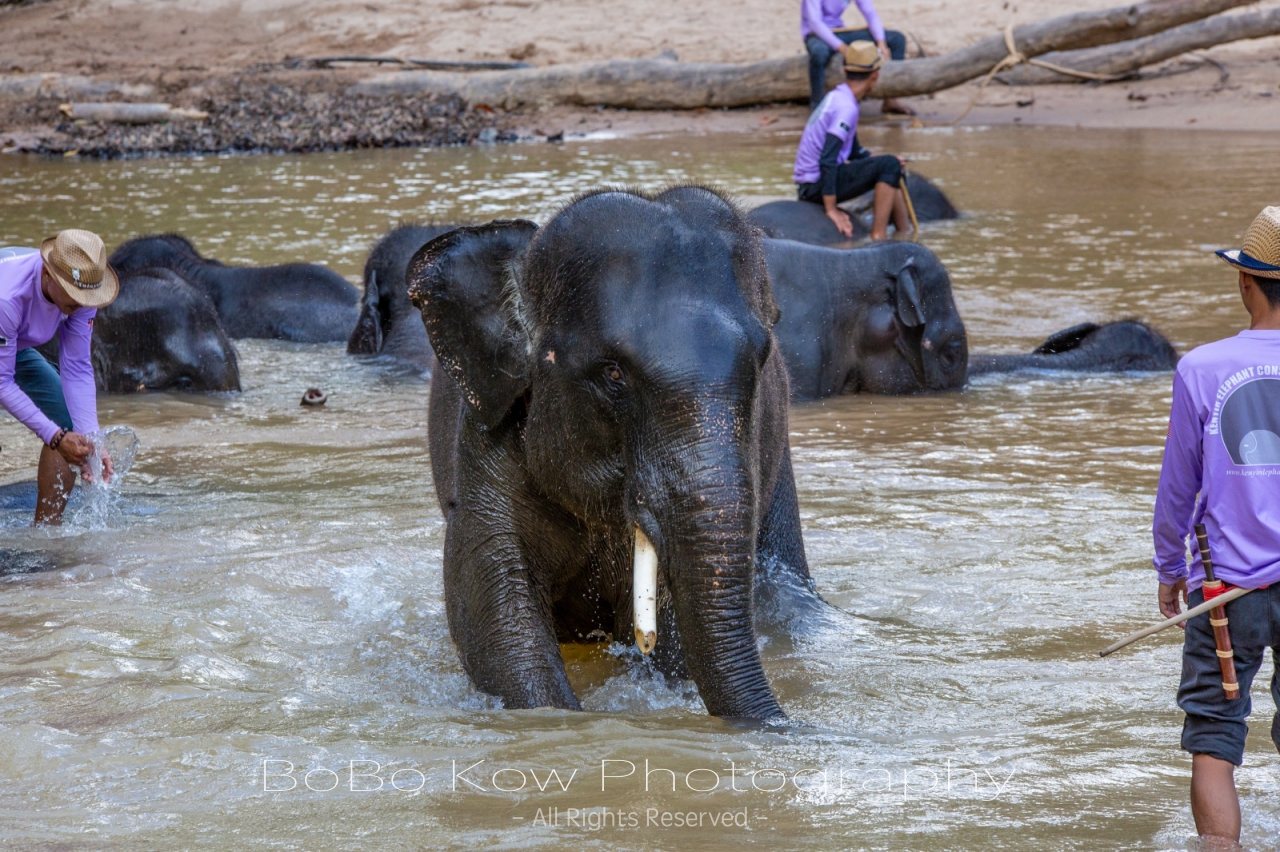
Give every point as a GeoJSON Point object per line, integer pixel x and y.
{"type": "Point", "coordinates": [837, 115]}
{"type": "Point", "coordinates": [819, 17]}
{"type": "Point", "coordinates": [1224, 446]}
{"type": "Point", "coordinates": [27, 319]}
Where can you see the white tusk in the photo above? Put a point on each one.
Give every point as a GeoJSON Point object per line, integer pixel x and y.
{"type": "Point", "coordinates": [644, 594]}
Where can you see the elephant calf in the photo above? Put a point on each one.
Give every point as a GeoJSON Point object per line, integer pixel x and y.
{"type": "Point", "coordinates": [881, 319]}
{"type": "Point", "coordinates": [608, 437]}
{"type": "Point", "coordinates": [302, 302]}
{"type": "Point", "coordinates": [389, 324]}
{"type": "Point", "coordinates": [159, 334]}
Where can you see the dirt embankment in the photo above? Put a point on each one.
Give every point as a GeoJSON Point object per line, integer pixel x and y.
{"type": "Point", "coordinates": [230, 59]}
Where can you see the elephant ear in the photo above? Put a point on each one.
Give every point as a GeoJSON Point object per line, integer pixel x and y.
{"type": "Point", "coordinates": [1066, 340]}
{"type": "Point", "coordinates": [906, 296]}
{"type": "Point", "coordinates": [366, 338]}
{"type": "Point", "coordinates": [462, 282]}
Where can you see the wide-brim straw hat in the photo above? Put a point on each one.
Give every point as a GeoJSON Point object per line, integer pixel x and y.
{"type": "Point", "coordinates": [862, 57]}
{"type": "Point", "coordinates": [78, 261]}
{"type": "Point", "coordinates": [1260, 254]}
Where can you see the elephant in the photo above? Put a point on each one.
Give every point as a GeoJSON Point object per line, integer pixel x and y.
{"type": "Point", "coordinates": [389, 324]}
{"type": "Point", "coordinates": [882, 319]}
{"type": "Point", "coordinates": [301, 302]}
{"type": "Point", "coordinates": [160, 333]}
{"type": "Point", "coordinates": [807, 222]}
{"type": "Point", "coordinates": [1128, 344]}
{"type": "Point", "coordinates": [608, 439]}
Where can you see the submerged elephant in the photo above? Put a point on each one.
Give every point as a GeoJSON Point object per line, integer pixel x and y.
{"type": "Point", "coordinates": [160, 333]}
{"type": "Point", "coordinates": [882, 319]}
{"type": "Point", "coordinates": [293, 301]}
{"type": "Point", "coordinates": [608, 436]}
{"type": "Point", "coordinates": [389, 324]}
{"type": "Point", "coordinates": [1128, 344]}
{"type": "Point", "coordinates": [807, 222]}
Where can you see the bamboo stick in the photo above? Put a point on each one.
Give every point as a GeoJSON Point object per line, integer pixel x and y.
{"type": "Point", "coordinates": [1224, 598]}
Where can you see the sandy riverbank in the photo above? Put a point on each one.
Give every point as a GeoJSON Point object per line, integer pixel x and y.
{"type": "Point", "coordinates": [194, 53]}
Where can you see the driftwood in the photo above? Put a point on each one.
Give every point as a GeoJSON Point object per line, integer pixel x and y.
{"type": "Point", "coordinates": [429, 64]}
{"type": "Point", "coordinates": [658, 84]}
{"type": "Point", "coordinates": [123, 113]}
{"type": "Point", "coordinates": [1128, 57]}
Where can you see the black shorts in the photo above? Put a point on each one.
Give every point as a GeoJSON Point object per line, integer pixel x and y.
{"type": "Point", "coordinates": [856, 177]}
{"type": "Point", "coordinates": [1214, 725]}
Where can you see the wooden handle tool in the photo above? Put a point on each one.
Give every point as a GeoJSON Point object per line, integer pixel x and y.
{"type": "Point", "coordinates": [1218, 618]}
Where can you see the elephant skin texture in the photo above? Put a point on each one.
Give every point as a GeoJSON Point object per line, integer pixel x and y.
{"type": "Point", "coordinates": [301, 302]}
{"type": "Point", "coordinates": [595, 380]}
{"type": "Point", "coordinates": [806, 222]}
{"type": "Point", "coordinates": [880, 319]}
{"type": "Point", "coordinates": [1113, 347]}
{"type": "Point", "coordinates": [159, 334]}
{"type": "Point", "coordinates": [389, 324]}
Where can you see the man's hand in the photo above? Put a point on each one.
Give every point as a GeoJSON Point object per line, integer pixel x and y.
{"type": "Point", "coordinates": [838, 216]}
{"type": "Point", "coordinates": [1169, 606]}
{"type": "Point", "coordinates": [75, 448]}
{"type": "Point", "coordinates": [884, 50]}
{"type": "Point", "coordinates": [844, 50]}
{"type": "Point", "coordinates": [108, 468]}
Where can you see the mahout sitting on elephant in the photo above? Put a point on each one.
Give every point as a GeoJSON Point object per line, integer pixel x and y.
{"type": "Point", "coordinates": [806, 222]}
{"type": "Point", "coordinates": [160, 333]}
{"type": "Point", "coordinates": [302, 302]}
{"type": "Point", "coordinates": [608, 438]}
{"type": "Point", "coordinates": [389, 324]}
{"type": "Point", "coordinates": [881, 319]}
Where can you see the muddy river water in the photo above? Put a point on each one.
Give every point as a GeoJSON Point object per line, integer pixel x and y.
{"type": "Point", "coordinates": [264, 592]}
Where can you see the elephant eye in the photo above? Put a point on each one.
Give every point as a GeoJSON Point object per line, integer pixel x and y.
{"type": "Point", "coordinates": [613, 373]}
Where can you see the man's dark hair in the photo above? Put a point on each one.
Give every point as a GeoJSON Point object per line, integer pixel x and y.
{"type": "Point", "coordinates": [857, 76]}
{"type": "Point", "coordinates": [1270, 288]}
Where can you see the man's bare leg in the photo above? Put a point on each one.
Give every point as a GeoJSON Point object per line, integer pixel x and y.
{"type": "Point", "coordinates": [1214, 802]}
{"type": "Point", "coordinates": [54, 481]}
{"type": "Point", "coordinates": [882, 205]}
{"type": "Point", "coordinates": [901, 221]}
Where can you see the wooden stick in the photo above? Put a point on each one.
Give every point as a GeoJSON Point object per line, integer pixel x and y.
{"type": "Point", "coordinates": [1218, 618]}
{"type": "Point", "coordinates": [1224, 598]}
{"type": "Point", "coordinates": [911, 208]}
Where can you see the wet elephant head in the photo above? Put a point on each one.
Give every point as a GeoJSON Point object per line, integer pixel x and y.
{"type": "Point", "coordinates": [879, 319]}
{"type": "Point", "coordinates": [632, 375]}
{"type": "Point", "coordinates": [162, 334]}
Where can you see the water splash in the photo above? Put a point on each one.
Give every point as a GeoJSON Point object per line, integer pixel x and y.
{"type": "Point", "coordinates": [101, 502]}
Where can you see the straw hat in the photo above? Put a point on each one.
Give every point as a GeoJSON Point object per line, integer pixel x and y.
{"type": "Point", "coordinates": [78, 261]}
{"type": "Point", "coordinates": [862, 57]}
{"type": "Point", "coordinates": [1260, 254]}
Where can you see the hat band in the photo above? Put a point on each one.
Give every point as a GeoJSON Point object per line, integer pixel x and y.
{"type": "Point", "coordinates": [1251, 262]}
{"type": "Point", "coordinates": [81, 283]}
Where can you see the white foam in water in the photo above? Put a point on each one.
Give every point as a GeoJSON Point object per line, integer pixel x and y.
{"type": "Point", "coordinates": [101, 501]}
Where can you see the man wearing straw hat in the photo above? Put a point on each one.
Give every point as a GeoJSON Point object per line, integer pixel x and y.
{"type": "Point", "coordinates": [828, 170]}
{"type": "Point", "coordinates": [1222, 468]}
{"type": "Point", "coordinates": [56, 290]}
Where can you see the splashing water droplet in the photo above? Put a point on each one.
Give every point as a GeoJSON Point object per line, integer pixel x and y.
{"type": "Point", "coordinates": [101, 496]}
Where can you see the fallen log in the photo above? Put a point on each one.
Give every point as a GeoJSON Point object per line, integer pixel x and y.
{"type": "Point", "coordinates": [430, 64]}
{"type": "Point", "coordinates": [123, 113]}
{"type": "Point", "coordinates": [658, 84]}
{"type": "Point", "coordinates": [1128, 57]}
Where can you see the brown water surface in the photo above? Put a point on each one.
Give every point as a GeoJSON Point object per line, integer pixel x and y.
{"type": "Point", "coordinates": [266, 587]}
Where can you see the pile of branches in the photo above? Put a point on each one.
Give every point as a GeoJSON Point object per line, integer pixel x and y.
{"type": "Point", "coordinates": [259, 116]}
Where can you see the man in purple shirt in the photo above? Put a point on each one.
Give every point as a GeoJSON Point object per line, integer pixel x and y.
{"type": "Point", "coordinates": [1222, 468]}
{"type": "Point", "coordinates": [55, 290]}
{"type": "Point", "coordinates": [829, 170]}
{"type": "Point", "coordinates": [824, 33]}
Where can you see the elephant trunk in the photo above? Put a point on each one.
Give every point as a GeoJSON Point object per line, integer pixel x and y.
{"type": "Point", "coordinates": [709, 555]}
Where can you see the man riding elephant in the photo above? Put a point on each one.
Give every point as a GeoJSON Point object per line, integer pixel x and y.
{"type": "Point", "coordinates": [55, 290]}
{"type": "Point", "coordinates": [832, 167]}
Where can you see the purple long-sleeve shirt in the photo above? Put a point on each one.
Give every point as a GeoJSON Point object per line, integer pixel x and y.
{"type": "Point", "coordinates": [27, 319]}
{"type": "Point", "coordinates": [819, 17]}
{"type": "Point", "coordinates": [1224, 446]}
